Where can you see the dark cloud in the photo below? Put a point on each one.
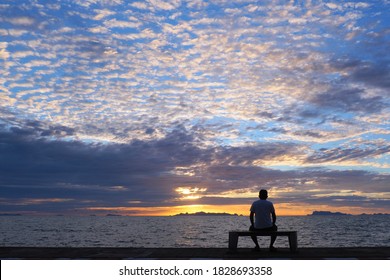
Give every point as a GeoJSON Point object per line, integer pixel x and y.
{"type": "Point", "coordinates": [309, 113]}
{"type": "Point", "coordinates": [374, 73]}
{"type": "Point", "coordinates": [349, 100]}
{"type": "Point", "coordinates": [30, 159]}
{"type": "Point", "coordinates": [343, 154]}
{"type": "Point", "coordinates": [247, 155]}
{"type": "Point", "coordinates": [328, 184]}
{"type": "Point", "coordinates": [341, 201]}
{"type": "Point", "coordinates": [352, 92]}
{"type": "Point", "coordinates": [38, 174]}
{"type": "Point", "coordinates": [35, 129]}
{"type": "Point", "coordinates": [38, 168]}
{"type": "Point", "coordinates": [309, 133]}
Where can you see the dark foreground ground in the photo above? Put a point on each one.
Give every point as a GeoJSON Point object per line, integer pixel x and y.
{"type": "Point", "coordinates": [105, 253]}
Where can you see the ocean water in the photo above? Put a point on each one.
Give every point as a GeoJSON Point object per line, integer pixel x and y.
{"type": "Point", "coordinates": [189, 231]}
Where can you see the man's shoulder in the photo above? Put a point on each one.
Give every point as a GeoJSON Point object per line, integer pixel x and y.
{"type": "Point", "coordinates": [270, 204]}
{"type": "Point", "coordinates": [256, 202]}
{"type": "Point", "coordinates": [262, 202]}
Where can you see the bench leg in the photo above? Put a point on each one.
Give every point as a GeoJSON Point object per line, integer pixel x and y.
{"type": "Point", "coordinates": [293, 241]}
{"type": "Point", "coordinates": [233, 241]}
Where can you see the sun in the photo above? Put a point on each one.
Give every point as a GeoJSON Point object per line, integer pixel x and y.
{"type": "Point", "coordinates": [190, 193]}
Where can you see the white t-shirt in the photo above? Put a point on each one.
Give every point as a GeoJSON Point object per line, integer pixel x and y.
{"type": "Point", "coordinates": [262, 209]}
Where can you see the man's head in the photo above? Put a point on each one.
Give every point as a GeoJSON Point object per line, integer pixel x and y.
{"type": "Point", "coordinates": [263, 194]}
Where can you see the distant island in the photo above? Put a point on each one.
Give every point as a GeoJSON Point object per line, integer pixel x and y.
{"type": "Point", "coordinates": [205, 214]}
{"type": "Point", "coordinates": [326, 213]}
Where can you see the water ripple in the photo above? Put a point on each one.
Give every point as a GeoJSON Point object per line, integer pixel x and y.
{"type": "Point", "coordinates": [334, 231]}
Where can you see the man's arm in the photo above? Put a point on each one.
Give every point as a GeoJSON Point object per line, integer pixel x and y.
{"type": "Point", "coordinates": [273, 217]}
{"type": "Point", "coordinates": [251, 217]}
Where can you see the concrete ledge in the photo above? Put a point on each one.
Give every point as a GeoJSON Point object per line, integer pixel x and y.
{"type": "Point", "coordinates": [105, 253]}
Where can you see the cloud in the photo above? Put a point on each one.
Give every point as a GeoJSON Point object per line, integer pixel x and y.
{"type": "Point", "coordinates": [81, 175]}
{"type": "Point", "coordinates": [114, 23]}
{"type": "Point", "coordinates": [194, 93]}
{"type": "Point", "coordinates": [349, 100]}
{"type": "Point", "coordinates": [341, 154]}
{"type": "Point", "coordinates": [139, 5]}
{"type": "Point", "coordinates": [4, 54]}
{"type": "Point", "coordinates": [24, 21]}
{"type": "Point", "coordinates": [372, 73]}
{"type": "Point", "coordinates": [165, 5]}
{"type": "Point", "coordinates": [196, 54]}
{"type": "Point", "coordinates": [103, 13]}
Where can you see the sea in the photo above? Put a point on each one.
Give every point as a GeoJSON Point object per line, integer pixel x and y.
{"type": "Point", "coordinates": [188, 231]}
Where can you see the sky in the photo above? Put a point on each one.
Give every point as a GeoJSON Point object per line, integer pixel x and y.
{"type": "Point", "coordinates": [163, 107]}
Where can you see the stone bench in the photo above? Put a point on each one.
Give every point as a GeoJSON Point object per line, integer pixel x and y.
{"type": "Point", "coordinates": [292, 237]}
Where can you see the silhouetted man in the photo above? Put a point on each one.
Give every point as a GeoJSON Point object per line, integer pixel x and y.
{"type": "Point", "coordinates": [261, 212]}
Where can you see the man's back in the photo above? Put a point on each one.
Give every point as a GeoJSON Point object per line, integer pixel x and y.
{"type": "Point", "coordinates": [262, 209]}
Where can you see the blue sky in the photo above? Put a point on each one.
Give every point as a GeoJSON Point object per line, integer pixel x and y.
{"type": "Point", "coordinates": [141, 107]}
